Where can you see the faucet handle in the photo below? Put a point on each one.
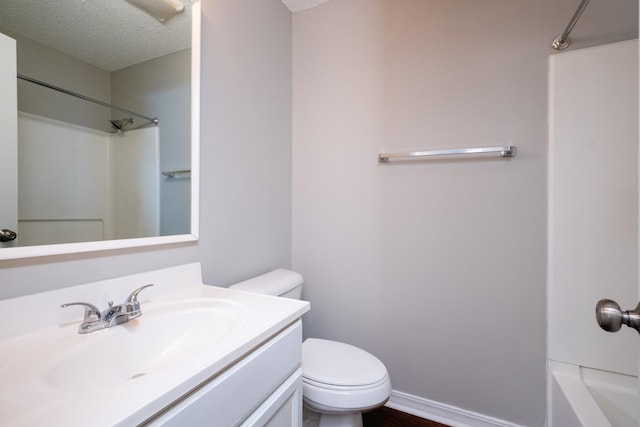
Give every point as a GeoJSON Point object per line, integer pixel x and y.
{"type": "Point", "coordinates": [91, 312]}
{"type": "Point", "coordinates": [133, 297]}
{"type": "Point", "coordinates": [133, 305]}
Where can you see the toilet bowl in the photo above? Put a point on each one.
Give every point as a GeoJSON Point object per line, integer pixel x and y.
{"type": "Point", "coordinates": [339, 381]}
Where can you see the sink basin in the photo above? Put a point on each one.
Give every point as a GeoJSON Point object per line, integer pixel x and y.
{"type": "Point", "coordinates": [165, 336]}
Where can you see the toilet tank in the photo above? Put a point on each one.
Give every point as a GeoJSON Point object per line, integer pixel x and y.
{"type": "Point", "coordinates": [280, 282]}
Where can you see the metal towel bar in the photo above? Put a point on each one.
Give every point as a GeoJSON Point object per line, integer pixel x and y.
{"type": "Point", "coordinates": [506, 151]}
{"type": "Point", "coordinates": [179, 173]}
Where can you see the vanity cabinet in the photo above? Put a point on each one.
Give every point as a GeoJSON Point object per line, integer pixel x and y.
{"type": "Point", "coordinates": [263, 388]}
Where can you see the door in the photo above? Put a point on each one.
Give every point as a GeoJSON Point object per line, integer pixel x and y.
{"type": "Point", "coordinates": [8, 142]}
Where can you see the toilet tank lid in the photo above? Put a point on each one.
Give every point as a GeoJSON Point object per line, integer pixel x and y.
{"type": "Point", "coordinates": [276, 282]}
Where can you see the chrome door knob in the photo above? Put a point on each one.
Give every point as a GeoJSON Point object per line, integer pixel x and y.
{"type": "Point", "coordinates": [7, 235]}
{"type": "Point", "coordinates": [611, 318]}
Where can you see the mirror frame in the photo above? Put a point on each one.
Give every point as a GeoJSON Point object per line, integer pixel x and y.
{"type": "Point", "coordinates": [102, 245]}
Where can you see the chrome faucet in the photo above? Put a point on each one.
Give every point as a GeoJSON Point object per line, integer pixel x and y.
{"type": "Point", "coordinates": [94, 320]}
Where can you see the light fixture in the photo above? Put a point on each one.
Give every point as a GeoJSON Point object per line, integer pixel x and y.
{"type": "Point", "coordinates": [298, 5]}
{"type": "Point", "coordinates": [159, 9]}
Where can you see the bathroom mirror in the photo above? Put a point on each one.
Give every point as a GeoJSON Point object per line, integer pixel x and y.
{"type": "Point", "coordinates": [148, 174]}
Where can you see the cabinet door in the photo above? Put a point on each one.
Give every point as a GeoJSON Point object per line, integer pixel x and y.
{"type": "Point", "coordinates": [232, 397]}
{"type": "Point", "coordinates": [8, 137]}
{"type": "Point", "coordinates": [283, 408]}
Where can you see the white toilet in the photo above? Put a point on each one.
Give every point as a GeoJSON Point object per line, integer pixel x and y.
{"type": "Point", "coordinates": [339, 381]}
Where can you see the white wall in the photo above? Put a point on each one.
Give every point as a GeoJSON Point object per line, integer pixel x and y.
{"type": "Point", "coordinates": [245, 203]}
{"type": "Point", "coordinates": [437, 267]}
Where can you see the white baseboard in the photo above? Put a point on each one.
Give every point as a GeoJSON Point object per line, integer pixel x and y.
{"type": "Point", "coordinates": [442, 413]}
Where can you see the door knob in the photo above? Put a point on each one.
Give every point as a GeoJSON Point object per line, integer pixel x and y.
{"type": "Point", "coordinates": [7, 235]}
{"type": "Point", "coordinates": [611, 318]}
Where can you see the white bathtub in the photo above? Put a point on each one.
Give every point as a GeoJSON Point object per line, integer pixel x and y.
{"type": "Point", "coordinates": [584, 397]}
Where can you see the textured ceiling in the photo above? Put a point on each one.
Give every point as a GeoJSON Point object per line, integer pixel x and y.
{"type": "Point", "coordinates": [110, 34]}
{"type": "Point", "coordinates": [298, 5]}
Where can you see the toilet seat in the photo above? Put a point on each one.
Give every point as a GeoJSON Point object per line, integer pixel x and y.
{"type": "Point", "coordinates": [338, 377]}
{"type": "Point", "coordinates": [337, 399]}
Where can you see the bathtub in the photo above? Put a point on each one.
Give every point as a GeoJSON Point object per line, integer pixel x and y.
{"type": "Point", "coordinates": [584, 397]}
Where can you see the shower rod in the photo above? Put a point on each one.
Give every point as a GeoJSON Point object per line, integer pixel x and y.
{"type": "Point", "coordinates": [563, 41]}
{"type": "Point", "coordinates": [153, 120]}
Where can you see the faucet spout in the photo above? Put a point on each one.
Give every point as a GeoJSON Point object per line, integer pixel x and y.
{"type": "Point", "coordinates": [114, 315]}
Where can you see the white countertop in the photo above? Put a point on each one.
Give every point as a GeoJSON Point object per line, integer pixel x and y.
{"type": "Point", "coordinates": [27, 396]}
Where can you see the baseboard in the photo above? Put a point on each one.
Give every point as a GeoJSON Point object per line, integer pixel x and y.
{"type": "Point", "coordinates": [442, 413]}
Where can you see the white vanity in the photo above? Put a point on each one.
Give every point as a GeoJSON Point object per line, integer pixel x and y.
{"type": "Point", "coordinates": [198, 355]}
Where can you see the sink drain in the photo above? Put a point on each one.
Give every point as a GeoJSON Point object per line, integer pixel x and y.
{"type": "Point", "coordinates": [138, 375]}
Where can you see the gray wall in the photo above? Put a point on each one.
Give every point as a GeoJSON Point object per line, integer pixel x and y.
{"type": "Point", "coordinates": [393, 255]}
{"type": "Point", "coordinates": [245, 203]}
{"type": "Point", "coordinates": [438, 268]}
{"type": "Point", "coordinates": [50, 65]}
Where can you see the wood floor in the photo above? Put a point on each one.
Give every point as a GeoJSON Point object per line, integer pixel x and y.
{"type": "Point", "coordinates": [387, 417]}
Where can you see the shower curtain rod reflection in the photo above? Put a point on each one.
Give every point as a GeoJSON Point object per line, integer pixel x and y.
{"type": "Point", "coordinates": [153, 120]}
{"type": "Point", "coordinates": [563, 41]}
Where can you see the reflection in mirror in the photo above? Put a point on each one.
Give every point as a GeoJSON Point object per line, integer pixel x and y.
{"type": "Point", "coordinates": [106, 116]}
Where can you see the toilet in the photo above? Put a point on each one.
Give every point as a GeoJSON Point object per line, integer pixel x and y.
{"type": "Point", "coordinates": [339, 381]}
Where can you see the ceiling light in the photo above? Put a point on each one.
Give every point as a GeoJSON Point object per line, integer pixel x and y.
{"type": "Point", "coordinates": [159, 9]}
{"type": "Point", "coordinates": [298, 5]}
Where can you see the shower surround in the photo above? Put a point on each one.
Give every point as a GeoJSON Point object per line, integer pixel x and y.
{"type": "Point", "coordinates": [78, 184]}
{"type": "Point", "coordinates": [593, 234]}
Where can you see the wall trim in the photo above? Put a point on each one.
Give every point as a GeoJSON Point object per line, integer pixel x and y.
{"type": "Point", "coordinates": [442, 413]}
